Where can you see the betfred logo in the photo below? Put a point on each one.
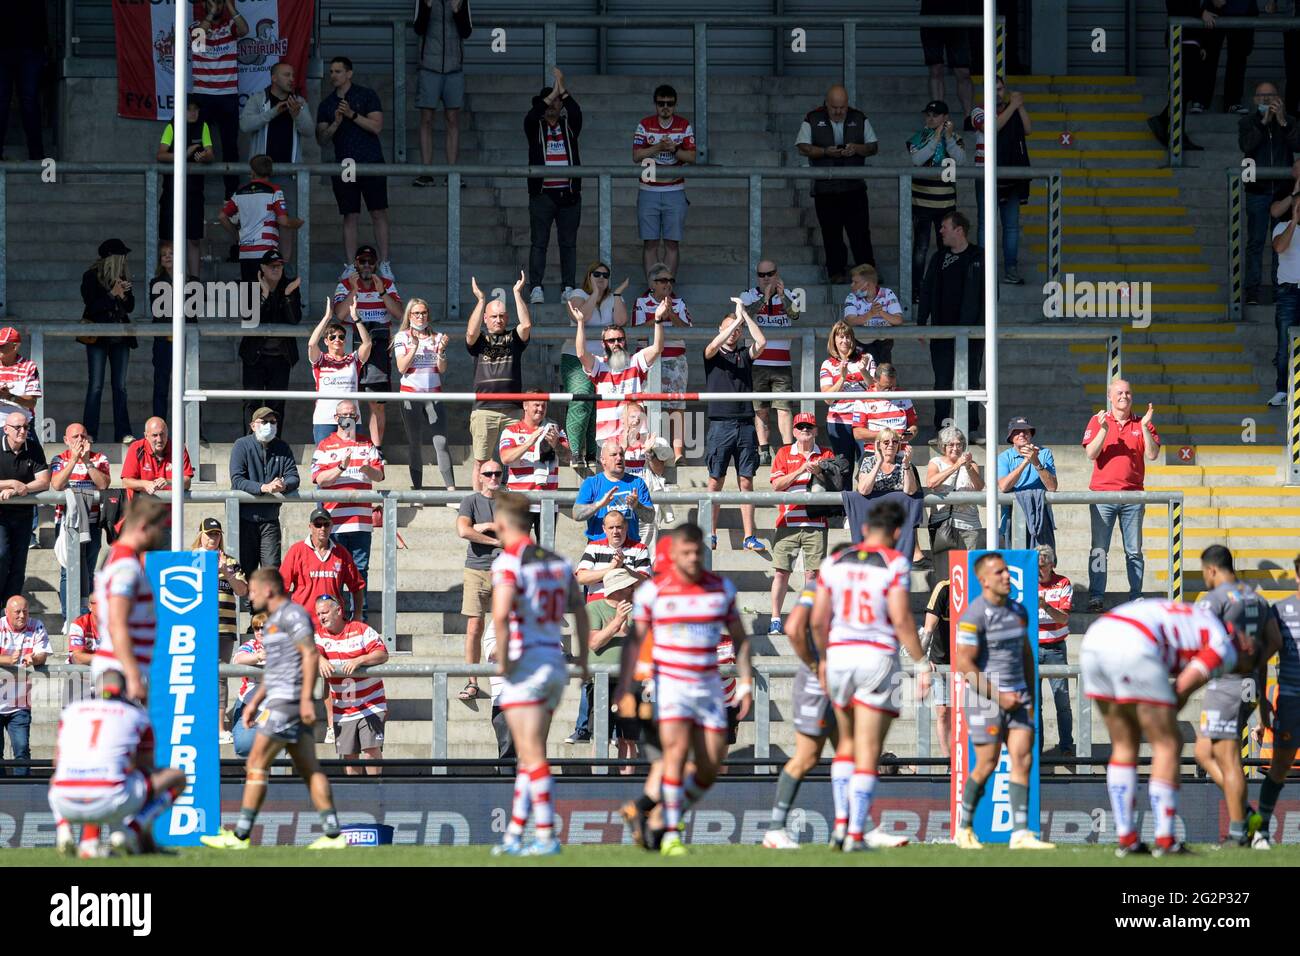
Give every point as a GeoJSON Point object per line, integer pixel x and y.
{"type": "Point", "coordinates": [182, 588]}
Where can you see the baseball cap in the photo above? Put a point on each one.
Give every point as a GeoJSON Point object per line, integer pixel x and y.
{"type": "Point", "coordinates": [9, 334]}
{"type": "Point", "coordinates": [264, 413]}
{"type": "Point", "coordinates": [367, 250]}
{"type": "Point", "coordinates": [211, 524]}
{"type": "Point", "coordinates": [935, 106]}
{"type": "Point", "coordinates": [112, 247]}
{"type": "Point", "coordinates": [1018, 424]}
{"type": "Point", "coordinates": [271, 255]}
{"type": "Point", "coordinates": [806, 418]}
{"type": "Point", "coordinates": [318, 513]}
{"type": "Point", "coordinates": [616, 579]}
{"type": "Point", "coordinates": [661, 449]}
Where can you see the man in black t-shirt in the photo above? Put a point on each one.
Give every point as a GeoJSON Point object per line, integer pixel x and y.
{"type": "Point", "coordinates": [953, 294]}
{"type": "Point", "coordinates": [728, 367]}
{"type": "Point", "coordinates": [498, 367]}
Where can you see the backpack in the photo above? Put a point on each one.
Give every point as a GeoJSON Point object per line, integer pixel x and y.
{"type": "Point", "coordinates": [836, 476]}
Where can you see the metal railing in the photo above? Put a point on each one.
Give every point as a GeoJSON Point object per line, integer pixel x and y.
{"type": "Point", "coordinates": [1237, 226]}
{"type": "Point", "coordinates": [699, 27]}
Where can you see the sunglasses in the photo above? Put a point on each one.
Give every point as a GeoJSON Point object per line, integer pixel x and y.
{"type": "Point", "coordinates": [804, 428]}
{"type": "Point", "coordinates": [621, 340]}
{"type": "Point", "coordinates": [367, 262]}
{"type": "Point", "coordinates": [600, 275]}
{"type": "Point", "coordinates": [17, 428]}
{"type": "Point", "coordinates": [767, 275]}
{"type": "Point", "coordinates": [335, 337]}
{"type": "Point", "coordinates": [665, 102]}
{"type": "Point", "coordinates": [321, 524]}
{"type": "Point", "coordinates": [490, 474]}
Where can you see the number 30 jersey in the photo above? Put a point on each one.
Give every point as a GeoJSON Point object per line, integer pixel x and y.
{"type": "Point", "coordinates": [859, 580]}
{"type": "Point", "coordinates": [543, 583]}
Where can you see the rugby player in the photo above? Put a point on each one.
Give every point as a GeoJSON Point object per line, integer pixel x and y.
{"type": "Point", "coordinates": [860, 615]}
{"type": "Point", "coordinates": [126, 622]}
{"type": "Point", "coordinates": [690, 610]}
{"type": "Point", "coordinates": [992, 653]}
{"type": "Point", "coordinates": [103, 772]}
{"type": "Point", "coordinates": [1228, 700]}
{"type": "Point", "coordinates": [1128, 657]}
{"type": "Point", "coordinates": [1283, 719]}
{"type": "Point", "coordinates": [286, 721]}
{"type": "Point", "coordinates": [532, 590]}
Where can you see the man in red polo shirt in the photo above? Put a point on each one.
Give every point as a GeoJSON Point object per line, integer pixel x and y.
{"type": "Point", "coordinates": [1119, 446]}
{"type": "Point", "coordinates": [319, 566]}
{"type": "Point", "coordinates": [147, 465]}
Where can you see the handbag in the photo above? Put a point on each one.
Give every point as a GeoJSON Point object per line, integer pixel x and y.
{"type": "Point", "coordinates": [87, 339]}
{"type": "Point", "coordinates": [944, 536]}
{"type": "Point", "coordinates": [836, 477]}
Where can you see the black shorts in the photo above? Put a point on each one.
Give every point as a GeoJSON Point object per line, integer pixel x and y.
{"type": "Point", "coordinates": [374, 189]}
{"type": "Point", "coordinates": [377, 373]}
{"type": "Point", "coordinates": [731, 439]}
{"type": "Point", "coordinates": [953, 41]}
{"type": "Point", "coordinates": [733, 724]}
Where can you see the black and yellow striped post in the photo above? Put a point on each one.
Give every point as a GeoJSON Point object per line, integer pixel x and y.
{"type": "Point", "coordinates": [1234, 245]}
{"type": "Point", "coordinates": [1175, 95]}
{"type": "Point", "coordinates": [1000, 48]}
{"type": "Point", "coordinates": [1054, 229]}
{"type": "Point", "coordinates": [1292, 409]}
{"type": "Point", "coordinates": [1176, 550]}
{"type": "Point", "coordinates": [1114, 357]}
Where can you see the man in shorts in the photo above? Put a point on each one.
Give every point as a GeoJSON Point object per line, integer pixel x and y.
{"type": "Point", "coordinates": [951, 44]}
{"type": "Point", "coordinates": [662, 143]}
{"type": "Point", "coordinates": [498, 354]}
{"type": "Point", "coordinates": [353, 117]}
{"type": "Point", "coordinates": [443, 26]}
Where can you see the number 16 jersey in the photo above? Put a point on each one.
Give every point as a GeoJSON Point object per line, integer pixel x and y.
{"type": "Point", "coordinates": [859, 581]}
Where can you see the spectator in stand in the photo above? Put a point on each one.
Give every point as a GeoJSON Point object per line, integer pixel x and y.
{"type": "Point", "coordinates": [669, 141]}
{"type": "Point", "coordinates": [268, 359]}
{"type": "Point", "coordinates": [776, 310]}
{"type": "Point", "coordinates": [20, 379]}
{"type": "Point", "coordinates": [357, 704]}
{"type": "Point", "coordinates": [251, 653]}
{"type": "Point", "coordinates": [879, 411]}
{"type": "Point", "coordinates": [336, 369]}
{"type": "Point", "coordinates": [871, 304]}
{"type": "Point", "coordinates": [1118, 445]}
{"type": "Point", "coordinates": [254, 215]}
{"type": "Point", "coordinates": [23, 643]}
{"type": "Point", "coordinates": [533, 449]}
{"type": "Point", "coordinates": [318, 565]}
{"type": "Point", "coordinates": [728, 367]}
{"type": "Point", "coordinates": [261, 463]}
{"type": "Point", "coordinates": [1269, 137]}
{"type": "Point", "coordinates": [160, 309]}
{"type": "Point", "coordinates": [835, 135]}
{"type": "Point", "coordinates": [1240, 45]}
{"type": "Point", "coordinates": [498, 368]}
{"type": "Point", "coordinates": [609, 619]}
{"type": "Point", "coordinates": [214, 76]}
{"type": "Point", "coordinates": [612, 490]}
{"type": "Point", "coordinates": [552, 128]}
{"type": "Point", "coordinates": [887, 473]}
{"type": "Point", "coordinates": [1193, 68]}
{"type": "Point", "coordinates": [276, 119]}
{"type": "Point", "coordinates": [421, 358]}
{"type": "Point", "coordinates": [936, 641]}
{"type": "Point", "coordinates": [83, 635]}
{"type": "Point", "coordinates": [198, 150]}
{"type": "Point", "coordinates": [618, 375]}
{"type": "Point", "coordinates": [849, 369]}
{"type": "Point", "coordinates": [1013, 126]}
{"type": "Point", "coordinates": [476, 523]}
{"type": "Point", "coordinates": [371, 300]}
{"type": "Point", "coordinates": [344, 461]}
{"type": "Point", "coordinates": [147, 464]}
{"type": "Point", "coordinates": [600, 307]}
{"type": "Point", "coordinates": [443, 26]}
{"type": "Point", "coordinates": [23, 471]}
{"type": "Point", "coordinates": [674, 375]}
{"type": "Point", "coordinates": [954, 527]}
{"type": "Point", "coordinates": [655, 476]}
{"type": "Point", "coordinates": [1023, 467]}
{"type": "Point", "coordinates": [1055, 598]}
{"type": "Point", "coordinates": [85, 472]}
{"type": "Point", "coordinates": [231, 586]}
{"type": "Point", "coordinates": [635, 438]}
{"type": "Point", "coordinates": [108, 299]}
{"type": "Point", "coordinates": [932, 199]}
{"type": "Point", "coordinates": [952, 43]}
{"type": "Point", "coordinates": [953, 294]}
{"type": "Point", "coordinates": [796, 533]}
{"type": "Point", "coordinates": [23, 54]}
{"type": "Point", "coordinates": [352, 117]}
{"type": "Point", "coordinates": [1288, 292]}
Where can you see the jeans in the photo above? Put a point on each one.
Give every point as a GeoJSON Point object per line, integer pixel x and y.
{"type": "Point", "coordinates": [1284, 316]}
{"type": "Point", "coordinates": [1241, 43]}
{"type": "Point", "coordinates": [580, 419]}
{"type": "Point", "coordinates": [259, 544]}
{"type": "Point", "coordinates": [18, 726]}
{"type": "Point", "coordinates": [1103, 526]}
{"type": "Point", "coordinates": [1258, 228]}
{"type": "Point", "coordinates": [583, 727]}
{"type": "Point", "coordinates": [96, 356]}
{"type": "Point", "coordinates": [1009, 224]}
{"type": "Point", "coordinates": [1055, 654]}
{"type": "Point", "coordinates": [243, 735]}
{"type": "Point", "coordinates": [89, 555]}
{"type": "Point", "coordinates": [23, 68]}
{"type": "Point", "coordinates": [543, 210]}
{"type": "Point", "coordinates": [15, 539]}
{"type": "Point", "coordinates": [358, 545]}
{"type": "Point", "coordinates": [842, 441]}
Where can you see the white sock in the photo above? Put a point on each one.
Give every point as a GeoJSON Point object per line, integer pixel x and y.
{"type": "Point", "coordinates": [1164, 804]}
{"type": "Point", "coordinates": [1122, 782]}
{"type": "Point", "coordinates": [841, 772]}
{"type": "Point", "coordinates": [519, 807]}
{"type": "Point", "coordinates": [861, 786]}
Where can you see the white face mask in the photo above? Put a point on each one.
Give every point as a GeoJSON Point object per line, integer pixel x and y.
{"type": "Point", "coordinates": [264, 431]}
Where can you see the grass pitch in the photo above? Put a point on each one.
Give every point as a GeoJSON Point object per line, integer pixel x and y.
{"type": "Point", "coordinates": [933, 855]}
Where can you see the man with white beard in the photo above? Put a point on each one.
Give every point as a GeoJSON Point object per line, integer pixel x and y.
{"type": "Point", "coordinates": [617, 376]}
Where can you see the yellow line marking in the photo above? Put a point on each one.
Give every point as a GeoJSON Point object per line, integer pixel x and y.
{"type": "Point", "coordinates": [1120, 173]}
{"type": "Point", "coordinates": [1093, 135]}
{"type": "Point", "coordinates": [1150, 212]}
{"type": "Point", "coordinates": [1193, 471]}
{"type": "Point", "coordinates": [1149, 348]}
{"type": "Point", "coordinates": [1087, 154]}
{"type": "Point", "coordinates": [1128, 268]}
{"type": "Point", "coordinates": [1117, 230]}
{"type": "Point", "coordinates": [1220, 532]}
{"type": "Point", "coordinates": [1210, 388]}
{"type": "Point", "coordinates": [1113, 192]}
{"type": "Point", "coordinates": [1155, 368]}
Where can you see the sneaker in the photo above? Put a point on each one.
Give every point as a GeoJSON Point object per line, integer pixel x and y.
{"type": "Point", "coordinates": [1136, 848]}
{"type": "Point", "coordinates": [549, 847]}
{"type": "Point", "coordinates": [536, 297]}
{"type": "Point", "coordinates": [508, 847]}
{"type": "Point", "coordinates": [386, 270]}
{"type": "Point", "coordinates": [778, 839]}
{"type": "Point", "coordinates": [1278, 400]}
{"type": "Point", "coordinates": [1195, 108]}
{"type": "Point", "coordinates": [775, 627]}
{"type": "Point", "coordinates": [1096, 605]}
{"type": "Point", "coordinates": [753, 544]}
{"type": "Point", "coordinates": [424, 181]}
{"type": "Point", "coordinates": [65, 844]}
{"type": "Point", "coordinates": [568, 291]}
{"type": "Point", "coordinates": [128, 439]}
{"type": "Point", "coordinates": [836, 842]}
{"type": "Point", "coordinates": [577, 738]}
{"type": "Point", "coordinates": [1260, 841]}
{"type": "Point", "coordinates": [1254, 820]}
{"type": "Point", "coordinates": [1239, 109]}
{"type": "Point", "coordinates": [226, 737]}
{"type": "Point", "coordinates": [1252, 296]}
{"type": "Point", "coordinates": [854, 845]}
{"type": "Point", "coordinates": [329, 734]}
{"type": "Point", "coordinates": [224, 839]}
{"type": "Point", "coordinates": [323, 842]}
{"type": "Point", "coordinates": [765, 455]}
{"type": "Point", "coordinates": [672, 844]}
{"type": "Point", "coordinates": [713, 542]}
{"type": "Point", "coordinates": [1013, 278]}
{"type": "Point", "coordinates": [1024, 840]}
{"type": "Point", "coordinates": [89, 850]}
{"type": "Point", "coordinates": [123, 842]}
{"type": "Point", "coordinates": [632, 816]}
{"type": "Point", "coordinates": [879, 838]}
{"type": "Point", "coordinates": [964, 839]}
{"type": "Point", "coordinates": [1174, 849]}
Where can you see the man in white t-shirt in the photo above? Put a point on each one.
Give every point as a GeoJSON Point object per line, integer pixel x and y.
{"type": "Point", "coordinates": [619, 375]}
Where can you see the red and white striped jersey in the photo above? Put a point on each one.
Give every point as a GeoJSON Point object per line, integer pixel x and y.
{"type": "Point", "coordinates": [599, 555]}
{"type": "Point", "coordinates": [643, 313]}
{"type": "Point", "coordinates": [1057, 592]}
{"type": "Point", "coordinates": [618, 386]}
{"type": "Point", "coordinates": [877, 411]}
{"type": "Point", "coordinates": [680, 132]}
{"type": "Point", "coordinates": [256, 207]}
{"type": "Point", "coordinates": [859, 581]}
{"type": "Point", "coordinates": [634, 458]}
{"type": "Point", "coordinates": [333, 377]}
{"type": "Point", "coordinates": [353, 697]}
{"type": "Point", "coordinates": [557, 154]}
{"type": "Point", "coordinates": [80, 479]}
{"type": "Point", "coordinates": [977, 123]}
{"type": "Point", "coordinates": [22, 378]}
{"type": "Point", "coordinates": [857, 303]}
{"type": "Point", "coordinates": [422, 374]}
{"type": "Point", "coordinates": [16, 694]}
{"type": "Point", "coordinates": [773, 318]}
{"type": "Point", "coordinates": [727, 655]}
{"type": "Point", "coordinates": [123, 576]}
{"type": "Point", "coordinates": [98, 744]}
{"type": "Point", "coordinates": [1179, 634]}
{"type": "Point", "coordinates": [788, 460]}
{"type": "Point", "coordinates": [543, 583]}
{"type": "Point", "coordinates": [351, 456]}
{"type": "Point", "coordinates": [689, 620]}
{"type": "Point", "coordinates": [215, 68]}
{"type": "Point", "coordinates": [529, 472]}
{"type": "Point", "coordinates": [858, 378]}
{"type": "Point", "coordinates": [83, 635]}
{"type": "Point", "coordinates": [370, 301]}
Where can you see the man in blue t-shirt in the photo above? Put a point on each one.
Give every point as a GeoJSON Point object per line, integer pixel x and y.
{"type": "Point", "coordinates": [1024, 466]}
{"type": "Point", "coordinates": [613, 490]}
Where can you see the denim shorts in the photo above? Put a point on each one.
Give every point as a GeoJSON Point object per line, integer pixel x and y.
{"type": "Point", "coordinates": [730, 439]}
{"type": "Point", "coordinates": [661, 214]}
